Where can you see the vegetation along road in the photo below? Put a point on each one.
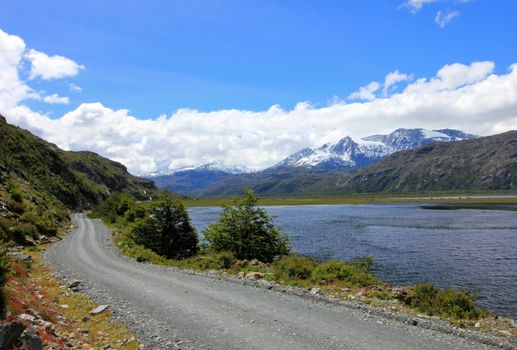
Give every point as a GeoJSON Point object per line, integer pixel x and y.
{"type": "Point", "coordinates": [171, 309]}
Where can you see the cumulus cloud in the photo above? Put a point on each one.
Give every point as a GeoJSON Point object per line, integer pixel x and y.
{"type": "Point", "coordinates": [51, 67]}
{"type": "Point", "coordinates": [391, 80]}
{"type": "Point", "coordinates": [416, 5]}
{"type": "Point", "coordinates": [74, 88]}
{"type": "Point", "coordinates": [445, 17]}
{"type": "Point", "coordinates": [470, 97]}
{"type": "Point", "coordinates": [12, 89]}
{"type": "Point", "coordinates": [56, 99]}
{"type": "Point", "coordinates": [365, 92]}
{"type": "Point", "coordinates": [369, 91]}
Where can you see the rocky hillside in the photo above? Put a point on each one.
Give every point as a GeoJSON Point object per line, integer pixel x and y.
{"type": "Point", "coordinates": [77, 179]}
{"type": "Point", "coordinates": [488, 163]}
{"type": "Point", "coordinates": [39, 183]}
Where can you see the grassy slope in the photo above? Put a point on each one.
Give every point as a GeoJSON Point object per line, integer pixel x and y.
{"type": "Point", "coordinates": [39, 185]}
{"type": "Point", "coordinates": [487, 163]}
{"type": "Point", "coordinates": [76, 179]}
{"type": "Point", "coordinates": [484, 164]}
{"type": "Point", "coordinates": [429, 197]}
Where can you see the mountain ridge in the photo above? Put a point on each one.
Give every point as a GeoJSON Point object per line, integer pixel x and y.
{"type": "Point", "coordinates": [346, 155]}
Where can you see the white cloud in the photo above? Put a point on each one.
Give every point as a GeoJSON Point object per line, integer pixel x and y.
{"type": "Point", "coordinates": [445, 17]}
{"type": "Point", "coordinates": [468, 97]}
{"type": "Point", "coordinates": [416, 5]}
{"type": "Point", "coordinates": [12, 89]}
{"type": "Point", "coordinates": [391, 80]}
{"type": "Point", "coordinates": [365, 92]}
{"type": "Point", "coordinates": [56, 99]}
{"type": "Point", "coordinates": [51, 67]}
{"type": "Point", "coordinates": [74, 88]}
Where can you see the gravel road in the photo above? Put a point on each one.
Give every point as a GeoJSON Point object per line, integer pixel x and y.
{"type": "Point", "coordinates": [170, 309]}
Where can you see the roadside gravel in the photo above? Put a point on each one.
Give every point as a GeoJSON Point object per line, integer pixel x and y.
{"type": "Point", "coordinates": [169, 308]}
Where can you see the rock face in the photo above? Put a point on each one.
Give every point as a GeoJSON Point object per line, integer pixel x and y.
{"type": "Point", "coordinates": [10, 334]}
{"type": "Point", "coordinates": [488, 163]}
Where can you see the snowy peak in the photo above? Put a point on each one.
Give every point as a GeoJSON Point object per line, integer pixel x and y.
{"type": "Point", "coordinates": [213, 167]}
{"type": "Point", "coordinates": [347, 153]}
{"type": "Point", "coordinates": [403, 139]}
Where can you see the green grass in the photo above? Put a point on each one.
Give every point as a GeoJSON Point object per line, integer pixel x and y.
{"type": "Point", "coordinates": [360, 199]}
{"type": "Point", "coordinates": [446, 302]}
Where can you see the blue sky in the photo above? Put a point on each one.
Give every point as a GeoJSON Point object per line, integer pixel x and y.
{"type": "Point", "coordinates": [153, 57]}
{"type": "Point", "coordinates": [162, 84]}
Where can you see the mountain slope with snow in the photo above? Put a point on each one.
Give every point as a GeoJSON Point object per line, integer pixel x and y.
{"type": "Point", "coordinates": [350, 154]}
{"type": "Point", "coordinates": [189, 179]}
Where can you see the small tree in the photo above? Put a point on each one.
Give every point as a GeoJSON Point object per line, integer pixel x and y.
{"type": "Point", "coordinates": [166, 230]}
{"type": "Point", "coordinates": [247, 231]}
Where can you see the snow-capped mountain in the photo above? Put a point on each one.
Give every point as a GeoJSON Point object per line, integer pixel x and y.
{"type": "Point", "coordinates": [213, 167]}
{"type": "Point", "coordinates": [189, 179]}
{"type": "Point", "coordinates": [347, 153]}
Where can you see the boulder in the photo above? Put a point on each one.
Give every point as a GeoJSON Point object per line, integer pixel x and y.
{"type": "Point", "coordinates": [9, 334]}
{"type": "Point", "coordinates": [99, 310]}
{"type": "Point", "coordinates": [315, 291]}
{"type": "Point", "coordinates": [30, 340]}
{"type": "Point", "coordinates": [254, 275]}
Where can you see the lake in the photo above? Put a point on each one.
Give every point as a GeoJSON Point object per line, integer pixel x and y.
{"type": "Point", "coordinates": [463, 249]}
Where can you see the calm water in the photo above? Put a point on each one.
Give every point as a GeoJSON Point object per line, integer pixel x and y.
{"type": "Point", "coordinates": [466, 249]}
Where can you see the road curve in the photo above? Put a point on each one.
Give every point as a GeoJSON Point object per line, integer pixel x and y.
{"type": "Point", "coordinates": [208, 313]}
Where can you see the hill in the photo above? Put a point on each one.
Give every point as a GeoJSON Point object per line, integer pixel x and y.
{"type": "Point", "coordinates": [310, 170]}
{"type": "Point", "coordinates": [39, 183]}
{"type": "Point", "coordinates": [487, 163]}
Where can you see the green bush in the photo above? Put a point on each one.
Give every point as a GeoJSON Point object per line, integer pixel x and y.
{"type": "Point", "coordinates": [338, 270]}
{"type": "Point", "coordinates": [17, 196]}
{"type": "Point", "coordinates": [16, 207]}
{"type": "Point", "coordinates": [294, 266]}
{"type": "Point", "coordinates": [210, 261]}
{"type": "Point", "coordinates": [46, 227]}
{"type": "Point", "coordinates": [21, 231]}
{"type": "Point", "coordinates": [166, 230]}
{"type": "Point", "coordinates": [445, 302]}
{"type": "Point", "coordinates": [4, 267]}
{"type": "Point", "coordinates": [364, 264]}
{"type": "Point", "coordinates": [247, 231]}
{"type": "Point", "coordinates": [135, 213]}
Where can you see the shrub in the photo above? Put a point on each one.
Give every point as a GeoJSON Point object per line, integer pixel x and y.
{"type": "Point", "coordinates": [46, 227]}
{"type": "Point", "coordinates": [16, 207]}
{"type": "Point", "coordinates": [445, 302]}
{"type": "Point", "coordinates": [21, 231]}
{"type": "Point", "coordinates": [135, 213]}
{"type": "Point", "coordinates": [166, 230]}
{"type": "Point", "coordinates": [212, 260]}
{"type": "Point", "coordinates": [337, 270]}
{"type": "Point", "coordinates": [17, 196]}
{"type": "Point", "coordinates": [247, 231]}
{"type": "Point", "coordinates": [294, 266]}
{"type": "Point", "coordinates": [364, 264]}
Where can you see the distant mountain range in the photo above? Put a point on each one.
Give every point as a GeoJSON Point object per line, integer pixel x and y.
{"type": "Point", "coordinates": [188, 180]}
{"type": "Point", "coordinates": [345, 155]}
{"type": "Point", "coordinates": [486, 163]}
{"type": "Point", "coordinates": [350, 154]}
